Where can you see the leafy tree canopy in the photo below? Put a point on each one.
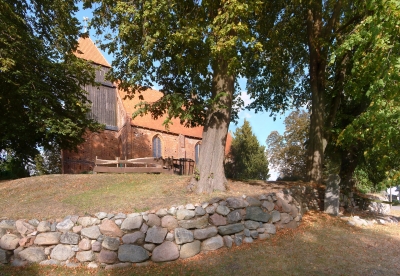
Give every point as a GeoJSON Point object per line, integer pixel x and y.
{"type": "Point", "coordinates": [41, 96]}
{"type": "Point", "coordinates": [247, 158]}
{"type": "Point", "coordinates": [287, 153]}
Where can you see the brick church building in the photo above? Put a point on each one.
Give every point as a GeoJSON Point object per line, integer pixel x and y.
{"type": "Point", "coordinates": [123, 136]}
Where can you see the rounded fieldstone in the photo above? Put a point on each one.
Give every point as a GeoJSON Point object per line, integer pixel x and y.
{"type": "Point", "coordinates": [253, 201]}
{"type": "Point", "coordinates": [65, 225]}
{"type": "Point", "coordinates": [156, 235]}
{"type": "Point", "coordinates": [269, 228]}
{"type": "Point", "coordinates": [202, 234]}
{"type": "Point", "coordinates": [251, 224]}
{"type": "Point", "coordinates": [257, 214]}
{"type": "Point", "coordinates": [222, 210]}
{"type": "Point", "coordinates": [185, 214]}
{"type": "Point", "coordinates": [169, 222]}
{"type": "Point", "coordinates": [44, 226]}
{"type": "Point", "coordinates": [153, 220]}
{"type": "Point", "coordinates": [48, 238]}
{"type": "Point", "coordinates": [9, 242]}
{"type": "Point", "coordinates": [109, 228]}
{"type": "Point", "coordinates": [217, 220]}
{"type": "Point", "coordinates": [190, 249]}
{"type": "Point", "coordinates": [228, 241]}
{"type": "Point", "coordinates": [236, 202]}
{"type": "Point", "coordinates": [276, 216]}
{"type": "Point", "coordinates": [234, 216]}
{"type": "Point", "coordinates": [96, 246]}
{"type": "Point", "coordinates": [200, 211]}
{"type": "Point", "coordinates": [134, 238]}
{"type": "Point", "coordinates": [88, 221]}
{"type": "Point", "coordinates": [132, 253]}
{"type": "Point", "coordinates": [69, 238]}
{"type": "Point", "coordinates": [85, 244]}
{"type": "Point", "coordinates": [107, 256]}
{"type": "Point", "coordinates": [167, 251]}
{"type": "Point", "coordinates": [110, 243]}
{"type": "Point", "coordinates": [230, 229]}
{"type": "Point", "coordinates": [212, 243]}
{"type": "Point", "coordinates": [183, 236]}
{"type": "Point", "coordinates": [194, 223]}
{"type": "Point", "coordinates": [33, 254]}
{"type": "Point", "coordinates": [23, 227]}
{"type": "Point", "coordinates": [92, 232]}
{"type": "Point", "coordinates": [62, 252]}
{"type": "Point", "coordinates": [268, 205]}
{"type": "Point", "coordinates": [85, 256]}
{"type": "Point", "coordinates": [132, 223]}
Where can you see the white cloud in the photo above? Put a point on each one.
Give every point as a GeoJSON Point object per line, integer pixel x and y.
{"type": "Point", "coordinates": [245, 97]}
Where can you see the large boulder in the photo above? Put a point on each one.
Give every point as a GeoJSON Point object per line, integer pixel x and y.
{"type": "Point", "coordinates": [132, 253]}
{"type": "Point", "coordinates": [257, 214]}
{"type": "Point", "coordinates": [33, 254]}
{"type": "Point", "coordinates": [62, 252]}
{"type": "Point", "coordinates": [190, 249]}
{"type": "Point", "coordinates": [212, 243]}
{"type": "Point", "coordinates": [48, 238]}
{"type": "Point", "coordinates": [167, 251]}
{"type": "Point", "coordinates": [9, 242]}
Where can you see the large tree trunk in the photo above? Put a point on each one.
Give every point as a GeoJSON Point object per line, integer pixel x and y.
{"type": "Point", "coordinates": [317, 83]}
{"type": "Point", "coordinates": [211, 173]}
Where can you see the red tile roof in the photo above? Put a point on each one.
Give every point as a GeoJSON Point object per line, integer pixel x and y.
{"type": "Point", "coordinates": [147, 121]}
{"type": "Point", "coordinates": [88, 50]}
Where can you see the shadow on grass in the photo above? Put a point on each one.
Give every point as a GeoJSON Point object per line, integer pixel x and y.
{"type": "Point", "coordinates": [322, 245]}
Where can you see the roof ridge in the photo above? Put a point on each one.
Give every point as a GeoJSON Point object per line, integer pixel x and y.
{"type": "Point", "coordinates": [88, 50]}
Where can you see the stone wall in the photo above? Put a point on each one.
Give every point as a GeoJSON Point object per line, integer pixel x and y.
{"type": "Point", "coordinates": [119, 240]}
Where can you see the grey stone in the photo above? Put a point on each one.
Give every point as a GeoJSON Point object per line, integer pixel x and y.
{"type": "Point", "coordinates": [169, 222]}
{"type": "Point", "coordinates": [230, 229]}
{"type": "Point", "coordinates": [253, 201]}
{"type": "Point", "coordinates": [294, 212]}
{"type": "Point", "coordinates": [185, 214]}
{"type": "Point", "coordinates": [172, 211]}
{"type": "Point", "coordinates": [134, 238]}
{"type": "Point", "coordinates": [132, 253]}
{"type": "Point", "coordinates": [248, 240]}
{"type": "Point", "coordinates": [44, 226]}
{"type": "Point", "coordinates": [2, 232]}
{"type": "Point", "coordinates": [69, 238]}
{"type": "Point", "coordinates": [96, 246]}
{"type": "Point", "coordinates": [189, 206]}
{"type": "Point", "coordinates": [332, 191]}
{"type": "Point", "coordinates": [132, 223]}
{"type": "Point", "coordinates": [8, 224]}
{"type": "Point", "coordinates": [149, 246]}
{"type": "Point", "coordinates": [162, 212]}
{"type": "Point", "coordinates": [236, 202]}
{"type": "Point", "coordinates": [153, 220]}
{"type": "Point", "coordinates": [85, 256]}
{"type": "Point", "coordinates": [264, 236]}
{"type": "Point", "coordinates": [269, 228]}
{"type": "Point", "coordinates": [251, 224]}
{"type": "Point", "coordinates": [254, 234]}
{"type": "Point", "coordinates": [234, 216]}
{"type": "Point", "coordinates": [120, 216]}
{"type": "Point", "coordinates": [101, 215]}
{"type": "Point", "coordinates": [85, 244]}
{"type": "Point", "coordinates": [217, 219]}
{"type": "Point", "coordinates": [92, 232]}
{"type": "Point", "coordinates": [3, 256]}
{"type": "Point", "coordinates": [202, 234]}
{"type": "Point", "coordinates": [156, 234]}
{"type": "Point", "coordinates": [285, 218]}
{"type": "Point", "coordinates": [246, 232]}
{"type": "Point", "coordinates": [268, 205]}
{"type": "Point", "coordinates": [190, 249]}
{"type": "Point", "coordinates": [194, 223]}
{"type": "Point", "coordinates": [183, 235]}
{"type": "Point", "coordinates": [200, 211]}
{"type": "Point", "coordinates": [65, 225]}
{"type": "Point", "coordinates": [33, 254]}
{"type": "Point", "coordinates": [62, 252]}
{"type": "Point", "coordinates": [228, 241]}
{"type": "Point", "coordinates": [107, 256]}
{"type": "Point", "coordinates": [286, 207]}
{"type": "Point", "coordinates": [210, 209]}
{"type": "Point", "coordinates": [222, 210]}
{"type": "Point", "coordinates": [238, 239]}
{"type": "Point", "coordinates": [170, 237]}
{"type": "Point", "coordinates": [257, 214]}
{"type": "Point", "coordinates": [144, 228]}
{"type": "Point", "coordinates": [276, 216]}
{"type": "Point", "coordinates": [33, 222]}
{"type": "Point", "coordinates": [110, 243]}
{"type": "Point", "coordinates": [9, 242]}
{"type": "Point", "coordinates": [88, 221]}
{"type": "Point", "coordinates": [167, 251]}
{"type": "Point", "coordinates": [53, 227]}
{"type": "Point", "coordinates": [215, 200]}
{"type": "Point", "coordinates": [109, 228]}
{"type": "Point", "coordinates": [23, 227]}
{"type": "Point", "coordinates": [212, 243]}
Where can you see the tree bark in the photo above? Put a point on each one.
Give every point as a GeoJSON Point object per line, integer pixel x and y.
{"type": "Point", "coordinates": [211, 173]}
{"type": "Point", "coordinates": [317, 83]}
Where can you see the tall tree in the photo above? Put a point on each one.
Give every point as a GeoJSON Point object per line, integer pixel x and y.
{"type": "Point", "coordinates": [195, 50]}
{"type": "Point", "coordinates": [41, 81]}
{"type": "Point", "coordinates": [287, 153]}
{"type": "Point", "coordinates": [247, 158]}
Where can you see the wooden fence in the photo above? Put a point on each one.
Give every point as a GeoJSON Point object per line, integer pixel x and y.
{"type": "Point", "coordinates": [137, 165]}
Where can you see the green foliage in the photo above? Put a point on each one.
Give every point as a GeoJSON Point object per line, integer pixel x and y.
{"type": "Point", "coordinates": [247, 159]}
{"type": "Point", "coordinates": [49, 161]}
{"type": "Point", "coordinates": [287, 152]}
{"type": "Point", "coordinates": [12, 167]}
{"type": "Point", "coordinates": [41, 95]}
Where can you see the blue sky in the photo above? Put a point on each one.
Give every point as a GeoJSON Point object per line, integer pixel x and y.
{"type": "Point", "coordinates": [261, 123]}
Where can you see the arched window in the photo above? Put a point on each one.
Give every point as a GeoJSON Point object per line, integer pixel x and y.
{"type": "Point", "coordinates": [197, 152]}
{"type": "Point", "coordinates": [157, 147]}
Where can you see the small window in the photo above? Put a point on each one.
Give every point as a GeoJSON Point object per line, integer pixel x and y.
{"type": "Point", "coordinates": [197, 153]}
{"type": "Point", "coordinates": [156, 147]}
